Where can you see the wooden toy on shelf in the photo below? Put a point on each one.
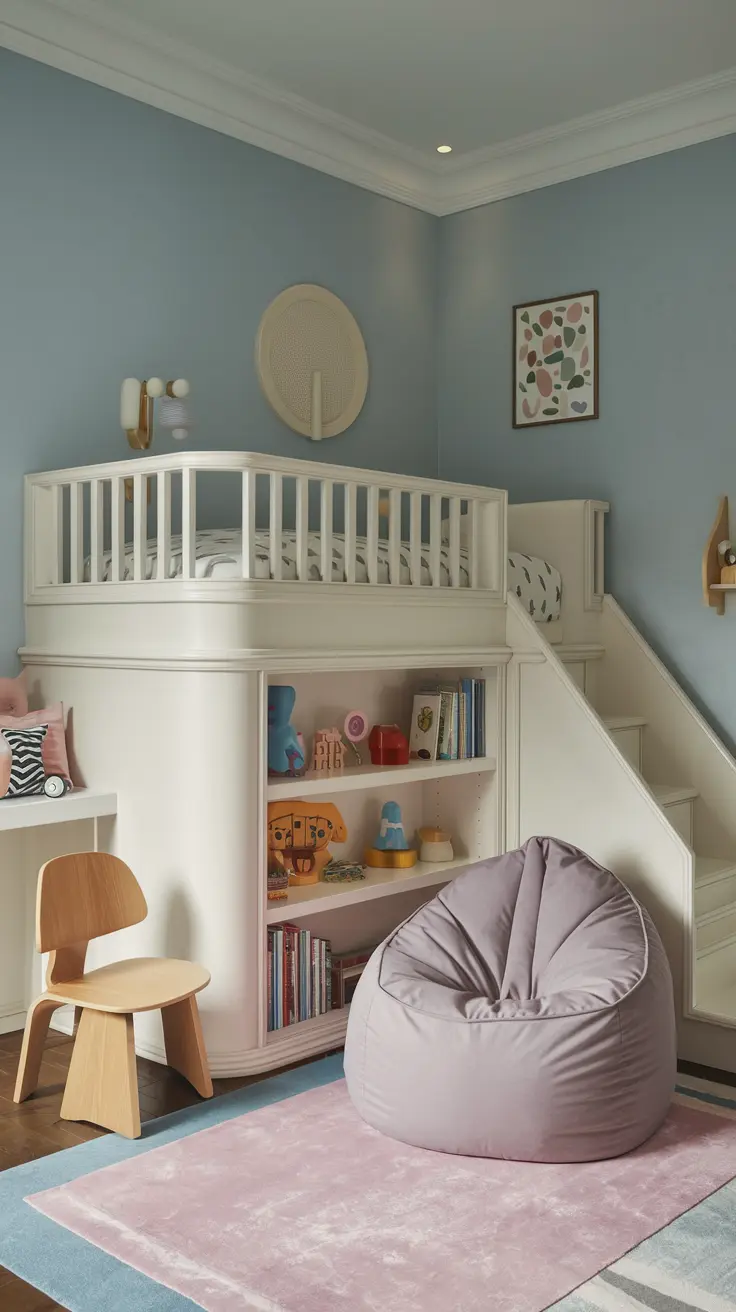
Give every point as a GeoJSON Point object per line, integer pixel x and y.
{"type": "Point", "coordinates": [388, 745]}
{"type": "Point", "coordinates": [298, 835]}
{"type": "Point", "coordinates": [391, 848]}
{"type": "Point", "coordinates": [329, 750]}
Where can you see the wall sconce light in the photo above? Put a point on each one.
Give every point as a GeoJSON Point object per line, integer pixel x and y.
{"type": "Point", "coordinates": [137, 409]}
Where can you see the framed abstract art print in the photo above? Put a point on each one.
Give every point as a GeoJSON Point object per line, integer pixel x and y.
{"type": "Point", "coordinates": [556, 360]}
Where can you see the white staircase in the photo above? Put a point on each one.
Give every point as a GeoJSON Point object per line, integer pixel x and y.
{"type": "Point", "coordinates": [640, 781]}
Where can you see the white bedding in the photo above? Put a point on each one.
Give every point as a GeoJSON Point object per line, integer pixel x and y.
{"type": "Point", "coordinates": [219, 556]}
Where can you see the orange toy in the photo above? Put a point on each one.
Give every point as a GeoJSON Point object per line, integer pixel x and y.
{"type": "Point", "coordinates": [298, 834]}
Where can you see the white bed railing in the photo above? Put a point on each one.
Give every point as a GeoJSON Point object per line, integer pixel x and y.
{"type": "Point", "coordinates": [113, 524]}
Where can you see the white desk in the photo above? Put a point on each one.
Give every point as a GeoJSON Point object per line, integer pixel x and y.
{"type": "Point", "coordinates": [32, 830]}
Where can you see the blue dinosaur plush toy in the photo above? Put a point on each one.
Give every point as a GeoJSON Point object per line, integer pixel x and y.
{"type": "Point", "coordinates": [285, 756]}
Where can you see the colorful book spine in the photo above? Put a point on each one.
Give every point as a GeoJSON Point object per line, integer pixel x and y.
{"type": "Point", "coordinates": [299, 983]}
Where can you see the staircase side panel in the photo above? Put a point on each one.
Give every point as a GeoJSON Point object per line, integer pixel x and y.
{"type": "Point", "coordinates": [679, 746]}
{"type": "Point", "coordinates": [567, 778]}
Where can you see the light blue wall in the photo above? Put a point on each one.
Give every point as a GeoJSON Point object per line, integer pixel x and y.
{"type": "Point", "coordinates": [658, 240]}
{"type": "Point", "coordinates": [133, 242]}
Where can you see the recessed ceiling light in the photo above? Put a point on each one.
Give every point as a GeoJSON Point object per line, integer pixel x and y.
{"type": "Point", "coordinates": [444, 150]}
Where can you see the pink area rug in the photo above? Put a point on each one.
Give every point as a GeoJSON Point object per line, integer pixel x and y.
{"type": "Point", "coordinates": [300, 1207]}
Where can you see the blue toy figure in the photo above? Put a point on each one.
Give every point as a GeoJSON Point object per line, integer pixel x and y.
{"type": "Point", "coordinates": [285, 756]}
{"type": "Point", "coordinates": [391, 833]}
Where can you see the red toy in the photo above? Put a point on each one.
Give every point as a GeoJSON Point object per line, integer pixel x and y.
{"type": "Point", "coordinates": [388, 745]}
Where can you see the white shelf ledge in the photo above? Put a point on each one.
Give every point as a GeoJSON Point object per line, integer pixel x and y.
{"type": "Point", "coordinates": [313, 899]}
{"type": "Point", "coordinates": [374, 776]}
{"type": "Point", "coordinates": [331, 1026]}
{"type": "Point", "coordinates": [81, 804]}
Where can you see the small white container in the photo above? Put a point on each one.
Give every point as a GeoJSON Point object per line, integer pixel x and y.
{"type": "Point", "coordinates": [436, 845]}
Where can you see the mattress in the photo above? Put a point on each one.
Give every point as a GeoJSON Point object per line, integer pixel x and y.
{"type": "Point", "coordinates": [219, 555]}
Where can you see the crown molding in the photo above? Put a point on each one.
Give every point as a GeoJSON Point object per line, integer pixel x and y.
{"type": "Point", "coordinates": [158, 70]}
{"type": "Point", "coordinates": [145, 65]}
{"type": "Point", "coordinates": [668, 120]}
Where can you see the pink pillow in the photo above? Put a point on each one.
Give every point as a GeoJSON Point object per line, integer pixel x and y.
{"type": "Point", "coordinates": [54, 744]}
{"type": "Point", "coordinates": [13, 696]}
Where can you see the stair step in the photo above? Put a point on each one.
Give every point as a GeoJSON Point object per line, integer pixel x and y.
{"type": "Point", "coordinates": [673, 794]}
{"type": "Point", "coordinates": [617, 722]}
{"type": "Point", "coordinates": [712, 869]}
{"type": "Point", "coordinates": [715, 884]}
{"type": "Point", "coordinates": [578, 651]}
{"type": "Point", "coordinates": [627, 731]}
{"type": "Point", "coordinates": [715, 983]}
{"type": "Point", "coordinates": [677, 800]}
{"type": "Point", "coordinates": [578, 658]}
{"type": "Point", "coordinates": [715, 929]}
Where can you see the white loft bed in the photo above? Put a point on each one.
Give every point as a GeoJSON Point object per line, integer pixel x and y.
{"type": "Point", "coordinates": [165, 665]}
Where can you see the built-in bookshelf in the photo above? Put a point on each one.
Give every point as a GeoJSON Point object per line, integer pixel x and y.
{"type": "Point", "coordinates": [362, 777]}
{"type": "Point", "coordinates": [462, 796]}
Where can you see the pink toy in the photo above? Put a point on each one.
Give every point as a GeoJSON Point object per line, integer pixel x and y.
{"type": "Point", "coordinates": [355, 730]}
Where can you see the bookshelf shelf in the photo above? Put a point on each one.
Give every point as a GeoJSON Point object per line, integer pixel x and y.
{"type": "Point", "coordinates": [320, 1030]}
{"type": "Point", "coordinates": [313, 899]}
{"type": "Point", "coordinates": [374, 776]}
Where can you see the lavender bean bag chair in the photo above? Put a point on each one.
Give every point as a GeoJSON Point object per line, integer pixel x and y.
{"type": "Point", "coordinates": [525, 1012]}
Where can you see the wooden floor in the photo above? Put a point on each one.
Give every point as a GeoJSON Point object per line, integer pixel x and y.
{"type": "Point", "coordinates": [34, 1129]}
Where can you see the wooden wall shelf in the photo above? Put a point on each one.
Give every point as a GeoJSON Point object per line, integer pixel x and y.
{"type": "Point", "coordinates": [714, 590]}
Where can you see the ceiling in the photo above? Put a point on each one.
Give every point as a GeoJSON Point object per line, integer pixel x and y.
{"type": "Point", "coordinates": [523, 90]}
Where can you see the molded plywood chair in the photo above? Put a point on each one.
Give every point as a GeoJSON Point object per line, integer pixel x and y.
{"type": "Point", "coordinates": [82, 897]}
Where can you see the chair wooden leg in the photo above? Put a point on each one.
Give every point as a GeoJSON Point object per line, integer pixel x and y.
{"type": "Point", "coordinates": [34, 1037]}
{"type": "Point", "coordinates": [102, 1086]}
{"type": "Point", "coordinates": [185, 1049]}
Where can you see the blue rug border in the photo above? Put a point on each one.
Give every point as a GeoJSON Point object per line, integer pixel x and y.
{"type": "Point", "coordinates": [74, 1272]}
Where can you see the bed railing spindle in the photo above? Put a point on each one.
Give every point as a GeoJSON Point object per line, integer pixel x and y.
{"type": "Point", "coordinates": [140, 527]}
{"type": "Point", "coordinates": [415, 538]}
{"type": "Point", "coordinates": [163, 525]}
{"type": "Point", "coordinates": [96, 529]}
{"type": "Point", "coordinates": [454, 542]}
{"type": "Point", "coordinates": [372, 534]}
{"type": "Point", "coordinates": [76, 532]}
{"type": "Point", "coordinates": [302, 527]}
{"type": "Point", "coordinates": [248, 527]}
{"type": "Point", "coordinates": [435, 537]}
{"type": "Point", "coordinates": [188, 523]}
{"type": "Point", "coordinates": [276, 519]}
{"type": "Point", "coordinates": [474, 543]}
{"type": "Point", "coordinates": [117, 530]}
{"type": "Point", "coordinates": [351, 514]}
{"type": "Point", "coordinates": [600, 530]}
{"type": "Point", "coordinates": [394, 536]}
{"type": "Point", "coordinates": [326, 517]}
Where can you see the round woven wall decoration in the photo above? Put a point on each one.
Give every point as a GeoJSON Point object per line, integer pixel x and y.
{"type": "Point", "coordinates": [311, 361]}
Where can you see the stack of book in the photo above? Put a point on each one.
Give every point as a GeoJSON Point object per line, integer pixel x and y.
{"type": "Point", "coordinates": [299, 976]}
{"type": "Point", "coordinates": [449, 722]}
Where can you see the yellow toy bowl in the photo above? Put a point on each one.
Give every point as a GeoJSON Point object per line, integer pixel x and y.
{"type": "Point", "coordinates": [390, 860]}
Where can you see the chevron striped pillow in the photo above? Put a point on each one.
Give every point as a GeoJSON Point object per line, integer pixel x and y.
{"type": "Point", "coordinates": [27, 774]}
